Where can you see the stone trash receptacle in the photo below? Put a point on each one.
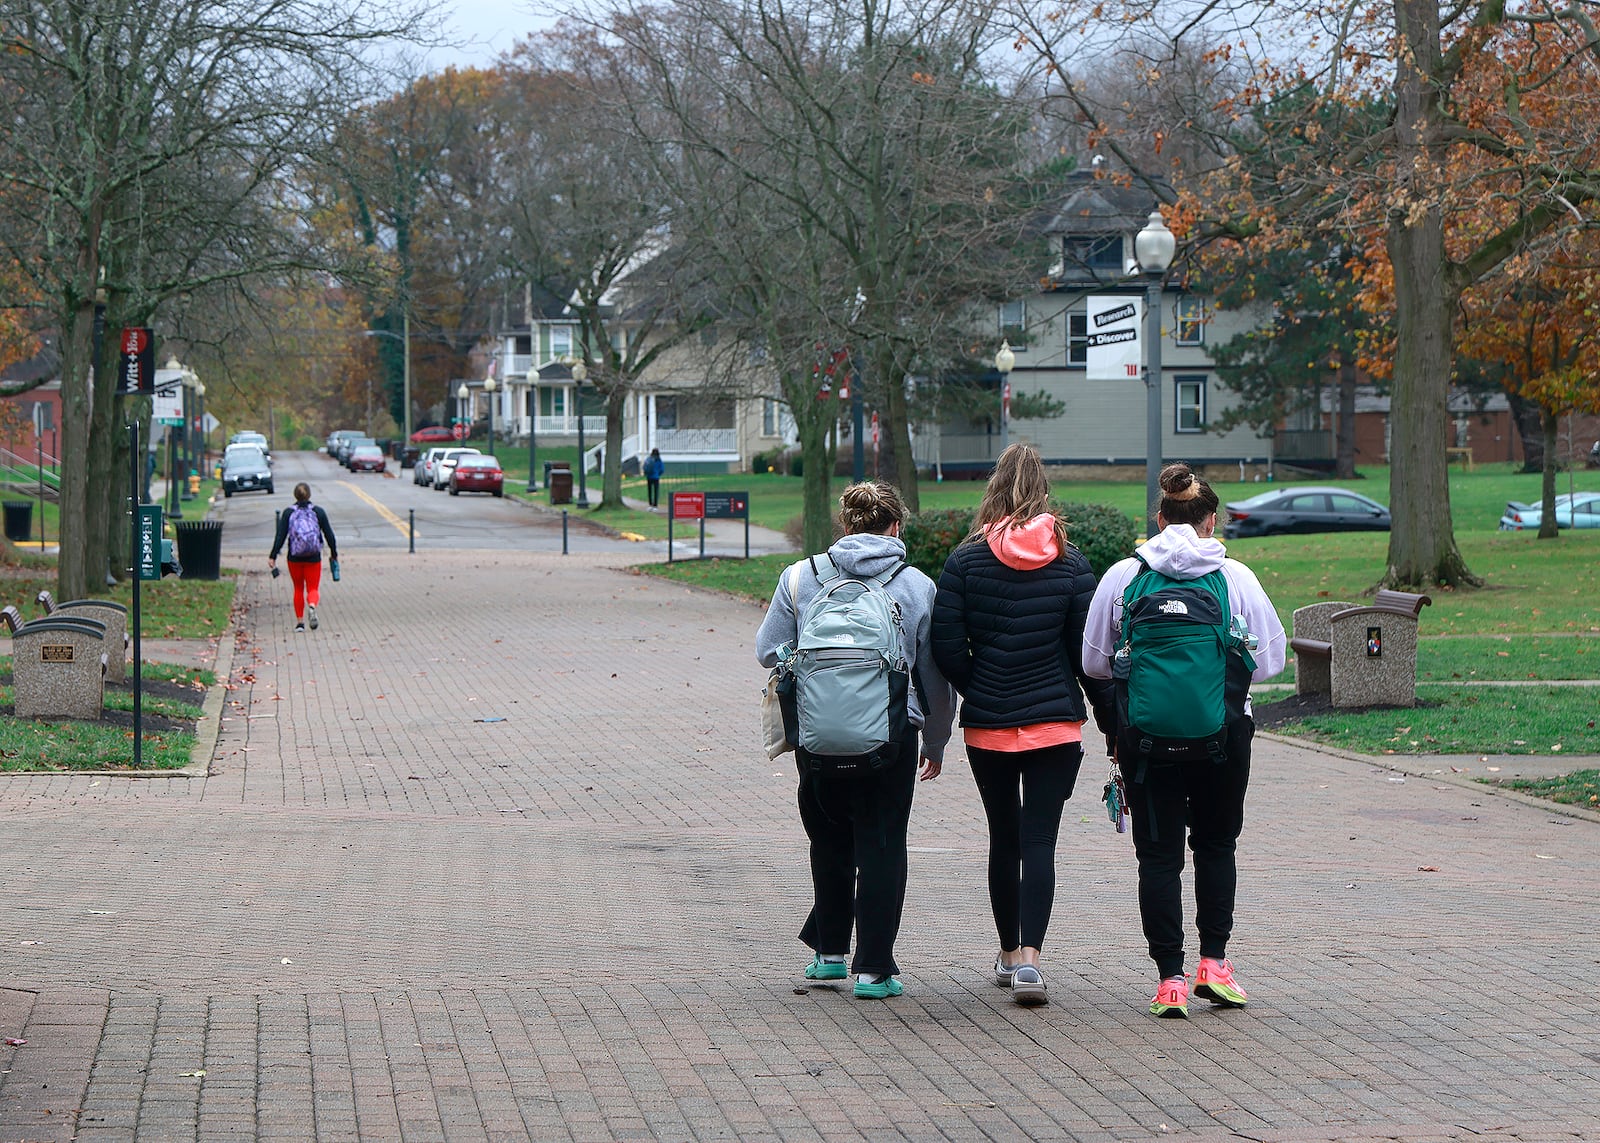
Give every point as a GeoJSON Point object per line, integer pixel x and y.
{"type": "Point", "coordinates": [57, 668]}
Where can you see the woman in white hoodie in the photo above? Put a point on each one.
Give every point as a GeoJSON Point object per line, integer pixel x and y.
{"type": "Point", "coordinates": [1206, 797]}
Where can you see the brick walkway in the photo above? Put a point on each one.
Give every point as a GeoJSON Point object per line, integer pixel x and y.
{"type": "Point", "coordinates": [387, 916]}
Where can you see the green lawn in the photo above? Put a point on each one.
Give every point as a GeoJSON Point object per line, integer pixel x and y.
{"type": "Point", "coordinates": [1536, 619]}
{"type": "Point", "coordinates": [170, 608]}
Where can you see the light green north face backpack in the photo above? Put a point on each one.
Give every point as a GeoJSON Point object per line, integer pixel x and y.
{"type": "Point", "coordinates": [850, 682]}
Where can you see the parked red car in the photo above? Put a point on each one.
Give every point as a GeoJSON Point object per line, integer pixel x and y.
{"type": "Point", "coordinates": [433, 434]}
{"type": "Point", "coordinates": [367, 458]}
{"type": "Point", "coordinates": [475, 473]}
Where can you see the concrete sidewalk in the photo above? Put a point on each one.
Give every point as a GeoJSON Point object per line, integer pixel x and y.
{"type": "Point", "coordinates": [494, 855]}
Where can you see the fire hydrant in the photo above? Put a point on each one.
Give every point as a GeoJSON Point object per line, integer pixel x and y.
{"type": "Point", "coordinates": [194, 482]}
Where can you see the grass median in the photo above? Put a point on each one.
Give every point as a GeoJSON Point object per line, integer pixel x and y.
{"type": "Point", "coordinates": [1536, 620]}
{"type": "Point", "coordinates": [170, 708]}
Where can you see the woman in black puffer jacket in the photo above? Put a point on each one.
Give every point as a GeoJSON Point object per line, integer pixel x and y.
{"type": "Point", "coordinates": [1008, 632]}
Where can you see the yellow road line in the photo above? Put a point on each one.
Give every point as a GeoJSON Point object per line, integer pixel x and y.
{"type": "Point", "coordinates": [400, 525]}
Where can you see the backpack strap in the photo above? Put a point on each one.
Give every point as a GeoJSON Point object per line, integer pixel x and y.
{"type": "Point", "coordinates": [833, 571]}
{"type": "Point", "coordinates": [883, 579]}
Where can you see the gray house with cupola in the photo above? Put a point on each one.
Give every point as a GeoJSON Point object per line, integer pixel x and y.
{"type": "Point", "coordinates": [1103, 428]}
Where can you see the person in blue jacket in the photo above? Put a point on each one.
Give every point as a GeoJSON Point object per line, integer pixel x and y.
{"type": "Point", "coordinates": [654, 466]}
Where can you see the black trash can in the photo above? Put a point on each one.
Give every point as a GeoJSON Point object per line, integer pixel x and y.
{"type": "Point", "coordinates": [200, 548]}
{"type": "Point", "coordinates": [19, 519]}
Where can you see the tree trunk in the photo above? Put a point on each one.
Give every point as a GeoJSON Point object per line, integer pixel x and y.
{"type": "Point", "coordinates": [1422, 545]}
{"type": "Point", "coordinates": [1345, 438]}
{"type": "Point", "coordinates": [815, 484]}
{"type": "Point", "coordinates": [611, 478]}
{"type": "Point", "coordinates": [899, 431]}
{"type": "Point", "coordinates": [72, 569]}
{"type": "Point", "coordinates": [1526, 415]}
{"type": "Point", "coordinates": [1548, 423]}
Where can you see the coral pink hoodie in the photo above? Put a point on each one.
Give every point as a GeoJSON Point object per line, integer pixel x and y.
{"type": "Point", "coordinates": [1025, 547]}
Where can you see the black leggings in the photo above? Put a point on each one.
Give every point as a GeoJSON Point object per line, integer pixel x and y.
{"type": "Point", "coordinates": [856, 821]}
{"type": "Point", "coordinates": [1023, 792]}
{"type": "Point", "coordinates": [1204, 800]}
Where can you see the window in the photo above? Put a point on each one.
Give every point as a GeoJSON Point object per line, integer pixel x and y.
{"type": "Point", "coordinates": [1078, 339]}
{"type": "Point", "coordinates": [771, 417]}
{"type": "Point", "coordinates": [666, 412]}
{"type": "Point", "coordinates": [1191, 321]}
{"type": "Point", "coordinates": [552, 401]}
{"type": "Point", "coordinates": [1191, 394]}
{"type": "Point", "coordinates": [560, 342]}
{"type": "Point", "coordinates": [1014, 325]}
{"type": "Point", "coordinates": [523, 346]}
{"type": "Point", "coordinates": [1101, 255]}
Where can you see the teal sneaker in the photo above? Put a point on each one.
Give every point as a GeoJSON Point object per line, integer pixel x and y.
{"type": "Point", "coordinates": [878, 990]}
{"type": "Point", "coordinates": [820, 969]}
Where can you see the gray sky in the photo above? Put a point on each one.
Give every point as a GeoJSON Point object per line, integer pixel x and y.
{"type": "Point", "coordinates": [485, 28]}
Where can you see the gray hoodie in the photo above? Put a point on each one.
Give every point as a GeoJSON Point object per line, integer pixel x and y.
{"type": "Point", "coordinates": [1180, 552]}
{"type": "Point", "coordinates": [933, 699]}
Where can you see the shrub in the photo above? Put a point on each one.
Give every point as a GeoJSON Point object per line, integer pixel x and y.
{"type": "Point", "coordinates": [1104, 534]}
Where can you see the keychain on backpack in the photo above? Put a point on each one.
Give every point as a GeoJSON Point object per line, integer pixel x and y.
{"type": "Point", "coordinates": [1115, 796]}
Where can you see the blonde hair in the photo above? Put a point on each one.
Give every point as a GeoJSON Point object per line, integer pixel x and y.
{"type": "Point", "coordinates": [302, 493]}
{"type": "Point", "coordinates": [870, 507]}
{"type": "Point", "coordinates": [1186, 498]}
{"type": "Point", "coordinates": [1018, 490]}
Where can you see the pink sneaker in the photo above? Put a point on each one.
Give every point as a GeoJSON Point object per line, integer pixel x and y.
{"type": "Point", "coordinates": [1214, 981]}
{"type": "Point", "coordinates": [1172, 999]}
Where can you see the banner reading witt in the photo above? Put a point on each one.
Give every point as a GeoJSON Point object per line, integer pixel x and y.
{"type": "Point", "coordinates": [1115, 349]}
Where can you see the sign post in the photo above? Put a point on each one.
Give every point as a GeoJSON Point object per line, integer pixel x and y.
{"type": "Point", "coordinates": [705, 506]}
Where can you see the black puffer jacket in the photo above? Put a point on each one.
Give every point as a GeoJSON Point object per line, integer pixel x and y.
{"type": "Point", "coordinates": [1012, 641]}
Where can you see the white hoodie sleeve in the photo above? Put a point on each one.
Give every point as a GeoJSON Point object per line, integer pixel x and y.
{"type": "Point", "coordinates": [1104, 625]}
{"type": "Point", "coordinates": [1260, 619]}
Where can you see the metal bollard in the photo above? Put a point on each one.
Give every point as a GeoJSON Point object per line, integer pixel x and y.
{"type": "Point", "coordinates": [563, 531]}
{"type": "Point", "coordinates": [411, 547]}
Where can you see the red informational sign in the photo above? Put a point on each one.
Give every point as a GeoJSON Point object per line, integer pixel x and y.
{"type": "Point", "coordinates": [689, 505]}
{"type": "Point", "coordinates": [1005, 401]}
{"type": "Point", "coordinates": [136, 372]}
{"type": "Point", "coordinates": [874, 429]}
{"type": "Point", "coordinates": [459, 431]}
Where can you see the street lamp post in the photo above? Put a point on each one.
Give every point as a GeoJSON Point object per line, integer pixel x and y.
{"type": "Point", "coordinates": [200, 404]}
{"type": "Point", "coordinates": [1005, 360]}
{"type": "Point", "coordinates": [580, 374]}
{"type": "Point", "coordinates": [533, 430]}
{"type": "Point", "coordinates": [187, 405]}
{"type": "Point", "coordinates": [488, 389]}
{"type": "Point", "coordinates": [1153, 247]}
{"type": "Point", "coordinates": [463, 395]}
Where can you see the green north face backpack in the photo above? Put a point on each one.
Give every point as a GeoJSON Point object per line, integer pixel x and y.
{"type": "Point", "coordinates": [1181, 673]}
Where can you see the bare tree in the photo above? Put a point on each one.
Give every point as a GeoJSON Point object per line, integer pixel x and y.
{"type": "Point", "coordinates": [152, 142]}
{"type": "Point", "coordinates": [871, 132]}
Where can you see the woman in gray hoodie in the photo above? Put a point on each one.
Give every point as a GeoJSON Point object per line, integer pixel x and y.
{"type": "Point", "coordinates": [856, 817]}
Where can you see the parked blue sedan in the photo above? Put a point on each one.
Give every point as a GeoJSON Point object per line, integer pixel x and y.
{"type": "Point", "coordinates": [1573, 510]}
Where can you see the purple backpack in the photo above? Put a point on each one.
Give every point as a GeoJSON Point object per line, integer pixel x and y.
{"type": "Point", "coordinates": [305, 534]}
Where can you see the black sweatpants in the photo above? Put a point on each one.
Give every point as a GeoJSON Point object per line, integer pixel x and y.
{"type": "Point", "coordinates": [856, 820]}
{"type": "Point", "coordinates": [1202, 802]}
{"type": "Point", "coordinates": [1023, 792]}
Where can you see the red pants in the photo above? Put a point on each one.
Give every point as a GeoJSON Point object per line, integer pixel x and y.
{"type": "Point", "coordinates": [307, 578]}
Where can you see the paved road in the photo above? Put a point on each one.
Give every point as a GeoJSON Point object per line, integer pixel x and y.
{"type": "Point", "coordinates": [492, 855]}
{"type": "Point", "coordinates": [378, 513]}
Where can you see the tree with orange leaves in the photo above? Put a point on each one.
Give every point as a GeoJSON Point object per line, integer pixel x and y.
{"type": "Point", "coordinates": [1491, 145]}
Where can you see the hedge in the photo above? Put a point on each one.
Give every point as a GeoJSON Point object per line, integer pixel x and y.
{"type": "Point", "coordinates": [1104, 534]}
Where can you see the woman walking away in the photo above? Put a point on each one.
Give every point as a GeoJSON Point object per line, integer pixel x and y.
{"type": "Point", "coordinates": [855, 809]}
{"type": "Point", "coordinates": [1008, 632]}
{"type": "Point", "coordinates": [1184, 743]}
{"type": "Point", "coordinates": [654, 466]}
{"type": "Point", "coordinates": [303, 528]}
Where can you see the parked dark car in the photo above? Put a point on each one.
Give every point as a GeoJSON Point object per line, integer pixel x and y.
{"type": "Point", "coordinates": [245, 469]}
{"type": "Point", "coordinates": [474, 473]}
{"type": "Point", "coordinates": [367, 458]}
{"type": "Point", "coordinates": [1304, 509]}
